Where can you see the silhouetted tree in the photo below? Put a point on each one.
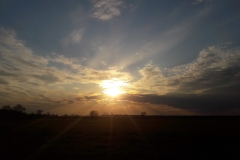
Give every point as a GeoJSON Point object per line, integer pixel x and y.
{"type": "Point", "coordinates": [19, 108]}
{"type": "Point", "coordinates": [143, 113]}
{"type": "Point", "coordinates": [39, 112]}
{"type": "Point", "coordinates": [93, 113]}
{"type": "Point", "coordinates": [7, 108]}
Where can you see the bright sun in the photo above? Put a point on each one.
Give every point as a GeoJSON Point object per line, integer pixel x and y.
{"type": "Point", "coordinates": [113, 87]}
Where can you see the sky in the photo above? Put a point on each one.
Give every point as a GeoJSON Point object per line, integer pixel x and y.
{"type": "Point", "coordinates": [121, 56]}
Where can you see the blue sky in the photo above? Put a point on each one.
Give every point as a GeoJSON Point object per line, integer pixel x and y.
{"type": "Point", "coordinates": [174, 57]}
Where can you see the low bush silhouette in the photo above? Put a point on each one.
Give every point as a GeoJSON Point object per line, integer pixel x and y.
{"type": "Point", "coordinates": [94, 113]}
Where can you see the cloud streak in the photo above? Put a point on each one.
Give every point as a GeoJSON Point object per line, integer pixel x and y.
{"type": "Point", "coordinates": [19, 61]}
{"type": "Point", "coordinates": [216, 67]}
{"type": "Point", "coordinates": [74, 37]}
{"type": "Point", "coordinates": [200, 1]}
{"type": "Point", "coordinates": [202, 86]}
{"type": "Point", "coordinates": [20, 66]}
{"type": "Point", "coordinates": [193, 103]}
{"type": "Point", "coordinates": [106, 9]}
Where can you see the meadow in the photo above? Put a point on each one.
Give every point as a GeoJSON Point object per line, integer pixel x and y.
{"type": "Point", "coordinates": [120, 137]}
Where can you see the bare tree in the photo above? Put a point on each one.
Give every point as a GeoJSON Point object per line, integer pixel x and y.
{"type": "Point", "coordinates": [93, 113]}
{"type": "Point", "coordinates": [19, 108]}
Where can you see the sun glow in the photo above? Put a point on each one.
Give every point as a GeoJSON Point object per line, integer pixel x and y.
{"type": "Point", "coordinates": [113, 87]}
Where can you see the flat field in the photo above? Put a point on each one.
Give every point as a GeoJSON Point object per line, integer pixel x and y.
{"type": "Point", "coordinates": [121, 138]}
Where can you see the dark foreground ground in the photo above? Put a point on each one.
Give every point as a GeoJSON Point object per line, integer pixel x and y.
{"type": "Point", "coordinates": [121, 138]}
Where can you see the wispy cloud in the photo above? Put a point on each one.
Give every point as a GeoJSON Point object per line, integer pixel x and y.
{"type": "Point", "coordinates": [18, 60]}
{"type": "Point", "coordinates": [106, 9]}
{"type": "Point", "coordinates": [215, 68]}
{"type": "Point", "coordinates": [74, 63]}
{"type": "Point", "coordinates": [200, 1]}
{"type": "Point", "coordinates": [14, 50]}
{"type": "Point", "coordinates": [20, 66]}
{"type": "Point", "coordinates": [74, 37]}
{"type": "Point", "coordinates": [215, 71]}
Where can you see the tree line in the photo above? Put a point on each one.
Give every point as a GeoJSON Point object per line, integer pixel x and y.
{"type": "Point", "coordinates": [17, 108]}
{"type": "Point", "coordinates": [20, 109]}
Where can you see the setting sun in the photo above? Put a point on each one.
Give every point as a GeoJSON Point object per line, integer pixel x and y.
{"type": "Point", "coordinates": [113, 87]}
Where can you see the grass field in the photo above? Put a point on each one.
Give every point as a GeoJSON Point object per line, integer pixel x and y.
{"type": "Point", "coordinates": [121, 138]}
